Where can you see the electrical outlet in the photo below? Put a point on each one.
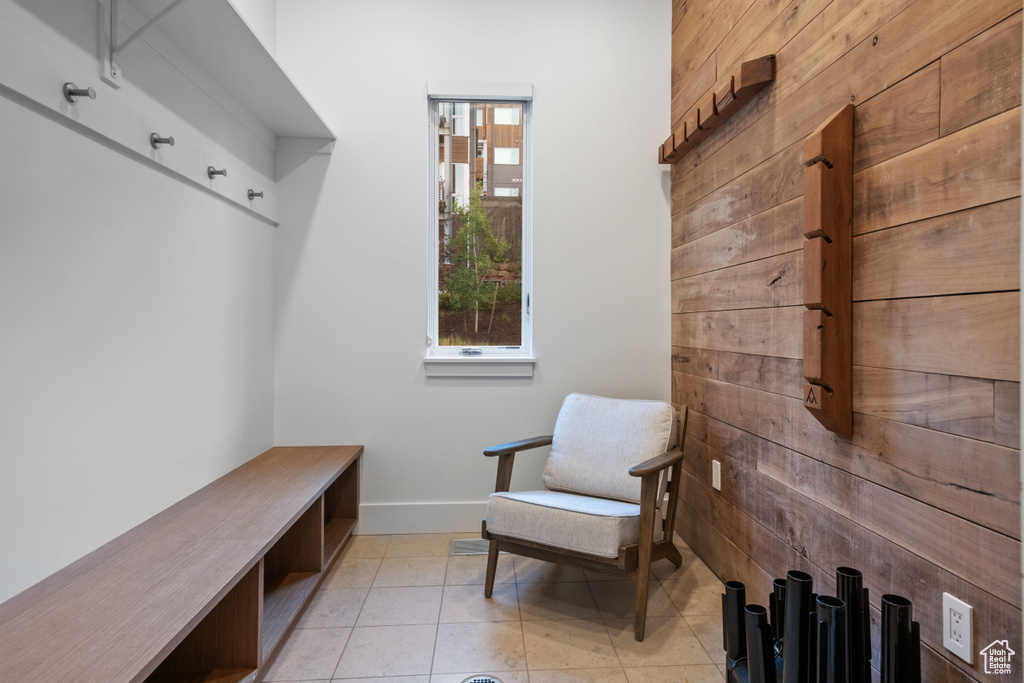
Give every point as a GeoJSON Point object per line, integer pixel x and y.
{"type": "Point", "coordinates": [956, 627]}
{"type": "Point", "coordinates": [716, 475]}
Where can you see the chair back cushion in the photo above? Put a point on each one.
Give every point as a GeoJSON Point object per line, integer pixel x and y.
{"type": "Point", "coordinates": [596, 440]}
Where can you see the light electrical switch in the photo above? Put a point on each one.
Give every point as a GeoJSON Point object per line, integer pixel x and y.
{"type": "Point", "coordinates": [716, 475]}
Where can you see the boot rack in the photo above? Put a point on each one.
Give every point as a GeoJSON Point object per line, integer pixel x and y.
{"type": "Point", "coordinates": [808, 638]}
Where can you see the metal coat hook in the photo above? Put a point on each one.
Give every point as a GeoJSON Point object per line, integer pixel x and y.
{"type": "Point", "coordinates": [211, 172]}
{"type": "Point", "coordinates": [156, 140]}
{"type": "Point", "coordinates": [72, 92]}
{"type": "Point", "coordinates": [253, 194]}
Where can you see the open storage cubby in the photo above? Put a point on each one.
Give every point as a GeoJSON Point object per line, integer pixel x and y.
{"type": "Point", "coordinates": [341, 511]}
{"type": "Point", "coordinates": [205, 591]}
{"type": "Point", "coordinates": [291, 572]}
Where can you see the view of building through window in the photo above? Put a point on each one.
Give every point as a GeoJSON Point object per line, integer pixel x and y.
{"type": "Point", "coordinates": [480, 224]}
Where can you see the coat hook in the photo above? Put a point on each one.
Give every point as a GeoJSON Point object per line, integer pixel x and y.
{"type": "Point", "coordinates": [156, 140]}
{"type": "Point", "coordinates": [72, 92]}
{"type": "Point", "coordinates": [211, 171]}
{"type": "Point", "coordinates": [253, 194]}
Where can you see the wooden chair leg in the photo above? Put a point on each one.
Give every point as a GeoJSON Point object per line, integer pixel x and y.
{"type": "Point", "coordinates": [492, 568]}
{"type": "Point", "coordinates": [648, 492]}
{"type": "Point", "coordinates": [674, 556]}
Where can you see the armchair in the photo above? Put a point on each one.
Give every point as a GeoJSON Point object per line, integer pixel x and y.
{"type": "Point", "coordinates": [604, 505]}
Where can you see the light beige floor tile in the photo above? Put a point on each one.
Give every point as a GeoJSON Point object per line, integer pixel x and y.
{"type": "Point", "coordinates": [467, 603]}
{"type": "Point", "coordinates": [352, 572]}
{"type": "Point", "coordinates": [698, 673]}
{"type": "Point", "coordinates": [309, 654]}
{"type": "Point", "coordinates": [366, 547]}
{"type": "Point", "coordinates": [472, 569]}
{"type": "Point", "coordinates": [419, 545]}
{"type": "Point", "coordinates": [615, 675]}
{"type": "Point", "coordinates": [557, 601]}
{"type": "Point", "coordinates": [385, 679]}
{"type": "Point", "coordinates": [387, 651]}
{"type": "Point", "coordinates": [708, 630]}
{"type": "Point", "coordinates": [333, 608]}
{"type": "Point", "coordinates": [668, 641]}
{"type": "Point", "coordinates": [618, 599]}
{"type": "Point", "coordinates": [401, 606]}
{"type": "Point", "coordinates": [410, 571]}
{"type": "Point", "coordinates": [725, 671]}
{"type": "Point", "coordinates": [479, 647]}
{"type": "Point", "coordinates": [568, 644]}
{"type": "Point", "coordinates": [696, 600]}
{"type": "Point", "coordinates": [503, 676]}
{"type": "Point", "coordinates": [600, 577]}
{"type": "Point", "coordinates": [531, 570]}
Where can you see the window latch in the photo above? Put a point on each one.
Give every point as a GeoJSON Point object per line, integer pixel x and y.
{"type": "Point", "coordinates": [471, 352]}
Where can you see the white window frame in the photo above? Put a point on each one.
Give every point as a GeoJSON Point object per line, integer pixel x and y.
{"type": "Point", "coordinates": [491, 361]}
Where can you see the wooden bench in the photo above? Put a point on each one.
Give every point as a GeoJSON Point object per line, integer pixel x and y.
{"type": "Point", "coordinates": [207, 590]}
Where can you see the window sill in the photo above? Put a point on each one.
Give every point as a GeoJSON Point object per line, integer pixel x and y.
{"type": "Point", "coordinates": [452, 366]}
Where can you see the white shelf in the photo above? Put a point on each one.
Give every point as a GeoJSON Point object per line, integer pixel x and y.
{"type": "Point", "coordinates": [217, 39]}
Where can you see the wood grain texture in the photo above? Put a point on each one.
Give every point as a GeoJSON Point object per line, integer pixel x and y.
{"type": "Point", "coordinates": [898, 119]}
{"type": "Point", "coordinates": [969, 251]}
{"type": "Point", "coordinates": [116, 613]}
{"type": "Point", "coordinates": [982, 77]}
{"type": "Point", "coordinates": [975, 166]}
{"type": "Point", "coordinates": [933, 460]}
{"type": "Point", "coordinates": [971, 336]}
{"type": "Point", "coordinates": [956, 405]}
{"type": "Point", "coordinates": [770, 282]}
{"type": "Point", "coordinates": [759, 331]}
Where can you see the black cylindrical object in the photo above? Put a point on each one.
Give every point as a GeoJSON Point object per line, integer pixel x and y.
{"type": "Point", "coordinates": [799, 604]}
{"type": "Point", "coordinates": [734, 635]}
{"type": "Point", "coordinates": [760, 646]}
{"type": "Point", "coordinates": [831, 651]}
{"type": "Point", "coordinates": [850, 589]}
{"type": "Point", "coordinates": [777, 607]}
{"type": "Point", "coordinates": [901, 641]}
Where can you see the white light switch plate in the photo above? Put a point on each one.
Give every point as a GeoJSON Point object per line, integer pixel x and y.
{"type": "Point", "coordinates": [716, 475]}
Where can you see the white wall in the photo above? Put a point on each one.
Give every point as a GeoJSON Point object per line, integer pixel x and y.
{"type": "Point", "coordinates": [351, 253]}
{"type": "Point", "coordinates": [261, 16]}
{"type": "Point", "coordinates": [136, 318]}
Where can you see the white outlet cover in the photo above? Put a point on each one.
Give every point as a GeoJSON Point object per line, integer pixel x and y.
{"type": "Point", "coordinates": [957, 617]}
{"type": "Point", "coordinates": [716, 475]}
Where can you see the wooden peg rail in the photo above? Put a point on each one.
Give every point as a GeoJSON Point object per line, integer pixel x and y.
{"type": "Point", "coordinates": [828, 272]}
{"type": "Point", "coordinates": [727, 98]}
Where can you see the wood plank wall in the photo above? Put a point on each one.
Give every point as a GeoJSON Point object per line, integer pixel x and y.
{"type": "Point", "coordinates": [925, 496]}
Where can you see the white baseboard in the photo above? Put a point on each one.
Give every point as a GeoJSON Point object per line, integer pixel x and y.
{"type": "Point", "coordinates": [419, 518]}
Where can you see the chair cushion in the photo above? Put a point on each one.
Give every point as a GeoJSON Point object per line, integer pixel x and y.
{"type": "Point", "coordinates": [596, 526]}
{"type": "Point", "coordinates": [596, 440]}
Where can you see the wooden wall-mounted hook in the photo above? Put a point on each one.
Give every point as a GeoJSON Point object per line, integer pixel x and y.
{"type": "Point", "coordinates": [721, 102]}
{"type": "Point", "coordinates": [828, 272]}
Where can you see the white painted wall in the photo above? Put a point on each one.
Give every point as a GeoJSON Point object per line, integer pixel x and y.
{"type": "Point", "coordinates": [136, 314]}
{"type": "Point", "coordinates": [261, 16]}
{"type": "Point", "coordinates": [351, 254]}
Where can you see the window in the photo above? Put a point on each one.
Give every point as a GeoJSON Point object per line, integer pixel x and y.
{"type": "Point", "coordinates": [507, 116]}
{"type": "Point", "coordinates": [479, 301]}
{"type": "Point", "coordinates": [506, 155]}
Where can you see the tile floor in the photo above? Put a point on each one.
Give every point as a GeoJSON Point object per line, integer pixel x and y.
{"type": "Point", "coordinates": [398, 609]}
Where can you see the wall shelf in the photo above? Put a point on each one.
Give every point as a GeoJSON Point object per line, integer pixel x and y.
{"type": "Point", "coordinates": [214, 35]}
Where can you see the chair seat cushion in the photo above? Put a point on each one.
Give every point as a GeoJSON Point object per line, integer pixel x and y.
{"type": "Point", "coordinates": [596, 526]}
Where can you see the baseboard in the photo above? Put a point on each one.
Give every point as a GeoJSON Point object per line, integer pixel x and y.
{"type": "Point", "coordinates": [419, 518]}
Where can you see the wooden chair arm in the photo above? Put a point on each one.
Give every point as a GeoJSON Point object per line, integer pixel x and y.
{"type": "Point", "coordinates": [516, 446]}
{"type": "Point", "coordinates": [657, 463]}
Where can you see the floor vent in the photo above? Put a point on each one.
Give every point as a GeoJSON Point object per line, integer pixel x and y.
{"type": "Point", "coordinates": [469, 546]}
{"type": "Point", "coordinates": [482, 679]}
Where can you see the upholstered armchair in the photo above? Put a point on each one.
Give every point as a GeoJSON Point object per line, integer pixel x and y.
{"type": "Point", "coordinates": [604, 506]}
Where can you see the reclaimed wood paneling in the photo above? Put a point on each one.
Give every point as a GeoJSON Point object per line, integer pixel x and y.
{"type": "Point", "coordinates": [976, 250]}
{"type": "Point", "coordinates": [981, 78]}
{"type": "Point", "coordinates": [924, 497]}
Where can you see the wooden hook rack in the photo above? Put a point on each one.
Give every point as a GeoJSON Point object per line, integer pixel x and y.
{"type": "Point", "coordinates": [828, 272]}
{"type": "Point", "coordinates": [727, 98]}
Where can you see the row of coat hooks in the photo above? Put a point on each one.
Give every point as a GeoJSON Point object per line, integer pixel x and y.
{"type": "Point", "coordinates": [72, 93]}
